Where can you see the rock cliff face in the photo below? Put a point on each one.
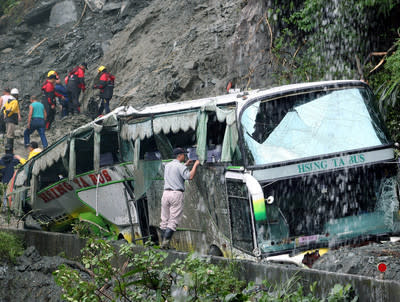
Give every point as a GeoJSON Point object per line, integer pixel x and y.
{"type": "Point", "coordinates": [159, 50]}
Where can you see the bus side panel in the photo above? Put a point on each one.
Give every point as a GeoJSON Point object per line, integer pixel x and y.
{"type": "Point", "coordinates": [205, 220]}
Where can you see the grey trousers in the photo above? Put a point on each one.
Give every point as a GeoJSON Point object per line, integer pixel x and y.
{"type": "Point", "coordinates": [171, 209]}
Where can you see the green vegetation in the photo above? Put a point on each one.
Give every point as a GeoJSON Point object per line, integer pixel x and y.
{"type": "Point", "coordinates": [317, 39]}
{"type": "Point", "coordinates": [386, 84]}
{"type": "Point", "coordinates": [10, 247]}
{"type": "Point", "coordinates": [147, 277]}
{"type": "Point", "coordinates": [314, 40]}
{"type": "Point", "coordinates": [7, 5]}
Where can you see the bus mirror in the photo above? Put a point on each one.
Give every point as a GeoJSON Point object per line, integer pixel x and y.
{"type": "Point", "coordinates": [270, 199]}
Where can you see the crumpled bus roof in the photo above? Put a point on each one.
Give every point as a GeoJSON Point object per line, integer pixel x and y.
{"type": "Point", "coordinates": [59, 148]}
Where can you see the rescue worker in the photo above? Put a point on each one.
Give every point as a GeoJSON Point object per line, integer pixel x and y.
{"type": "Point", "coordinates": [51, 72]}
{"type": "Point", "coordinates": [36, 121]}
{"type": "Point", "coordinates": [34, 150]}
{"type": "Point", "coordinates": [12, 115]}
{"type": "Point", "coordinates": [49, 102]}
{"type": "Point", "coordinates": [75, 84]}
{"type": "Point", "coordinates": [106, 86]}
{"type": "Point", "coordinates": [175, 174]}
{"type": "Point", "coordinates": [7, 163]}
{"type": "Point", "coordinates": [3, 99]}
{"type": "Point", "coordinates": [65, 103]}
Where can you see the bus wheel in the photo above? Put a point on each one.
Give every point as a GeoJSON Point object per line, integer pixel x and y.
{"type": "Point", "coordinates": [214, 251]}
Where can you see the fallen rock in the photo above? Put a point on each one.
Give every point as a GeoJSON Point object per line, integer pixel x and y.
{"type": "Point", "coordinates": [95, 5]}
{"type": "Point", "coordinates": [7, 50]}
{"type": "Point", "coordinates": [63, 13]}
{"type": "Point", "coordinates": [7, 42]}
{"type": "Point", "coordinates": [111, 6]}
{"type": "Point", "coordinates": [40, 13]}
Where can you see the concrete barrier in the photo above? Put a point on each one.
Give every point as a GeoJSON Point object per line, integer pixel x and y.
{"type": "Point", "coordinates": [50, 243]}
{"type": "Point", "coordinates": [367, 289]}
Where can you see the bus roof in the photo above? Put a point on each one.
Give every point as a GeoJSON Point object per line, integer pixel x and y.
{"type": "Point", "coordinates": [239, 98]}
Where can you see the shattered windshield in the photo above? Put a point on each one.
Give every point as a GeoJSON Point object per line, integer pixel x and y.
{"type": "Point", "coordinates": [310, 124]}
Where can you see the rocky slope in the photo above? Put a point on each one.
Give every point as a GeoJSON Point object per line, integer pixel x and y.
{"type": "Point", "coordinates": [159, 50]}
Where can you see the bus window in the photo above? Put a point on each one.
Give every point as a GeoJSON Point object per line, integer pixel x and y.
{"type": "Point", "coordinates": [84, 154]}
{"type": "Point", "coordinates": [109, 148]}
{"type": "Point", "coordinates": [148, 148]}
{"type": "Point", "coordinates": [310, 124]}
{"type": "Point", "coordinates": [240, 215]}
{"type": "Point", "coordinates": [181, 139]}
{"type": "Point", "coordinates": [52, 174]}
{"type": "Point", "coordinates": [215, 137]}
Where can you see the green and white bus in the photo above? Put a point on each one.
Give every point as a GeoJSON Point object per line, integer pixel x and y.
{"type": "Point", "coordinates": [283, 171]}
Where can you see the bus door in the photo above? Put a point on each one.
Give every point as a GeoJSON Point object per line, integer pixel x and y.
{"type": "Point", "coordinates": [246, 205]}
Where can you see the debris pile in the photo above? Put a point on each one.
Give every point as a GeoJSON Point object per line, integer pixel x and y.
{"type": "Point", "coordinates": [363, 260]}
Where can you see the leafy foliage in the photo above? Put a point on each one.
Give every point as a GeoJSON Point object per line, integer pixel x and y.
{"type": "Point", "coordinates": [10, 247]}
{"type": "Point", "coordinates": [7, 5]}
{"type": "Point", "coordinates": [146, 276]}
{"type": "Point", "coordinates": [317, 39]}
{"type": "Point", "coordinates": [386, 83]}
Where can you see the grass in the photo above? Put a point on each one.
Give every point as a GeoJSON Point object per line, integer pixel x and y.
{"type": "Point", "coordinates": [10, 247]}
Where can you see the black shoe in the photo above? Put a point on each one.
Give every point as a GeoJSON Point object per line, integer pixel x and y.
{"type": "Point", "coordinates": [167, 238]}
{"type": "Point", "coordinates": [162, 233]}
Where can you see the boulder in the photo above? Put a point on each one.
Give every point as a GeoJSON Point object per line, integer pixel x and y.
{"type": "Point", "coordinates": [6, 42]}
{"type": "Point", "coordinates": [32, 61]}
{"type": "Point", "coordinates": [125, 5]}
{"type": "Point", "coordinates": [111, 7]}
{"type": "Point", "coordinates": [40, 13]}
{"type": "Point", "coordinates": [95, 5]}
{"type": "Point", "coordinates": [22, 33]}
{"type": "Point", "coordinates": [63, 13]}
{"type": "Point", "coordinates": [7, 50]}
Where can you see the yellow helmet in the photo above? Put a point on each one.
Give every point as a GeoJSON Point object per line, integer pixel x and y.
{"type": "Point", "coordinates": [51, 72]}
{"type": "Point", "coordinates": [101, 68]}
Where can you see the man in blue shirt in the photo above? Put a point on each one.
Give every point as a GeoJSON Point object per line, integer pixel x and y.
{"type": "Point", "coordinates": [65, 104]}
{"type": "Point", "coordinates": [36, 121]}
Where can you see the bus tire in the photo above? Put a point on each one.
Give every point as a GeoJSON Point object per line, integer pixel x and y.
{"type": "Point", "coordinates": [215, 251]}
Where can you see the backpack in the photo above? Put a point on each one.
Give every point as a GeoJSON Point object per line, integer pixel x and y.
{"type": "Point", "coordinates": [92, 108]}
{"type": "Point", "coordinates": [71, 78]}
{"type": "Point", "coordinates": [109, 89]}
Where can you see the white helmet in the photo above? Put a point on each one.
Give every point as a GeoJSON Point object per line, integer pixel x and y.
{"type": "Point", "coordinates": [14, 91]}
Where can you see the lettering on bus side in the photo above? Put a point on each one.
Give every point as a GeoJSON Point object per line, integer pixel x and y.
{"type": "Point", "coordinates": [325, 164]}
{"type": "Point", "coordinates": [78, 183]}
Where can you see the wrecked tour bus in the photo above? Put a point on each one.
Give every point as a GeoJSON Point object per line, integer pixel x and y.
{"type": "Point", "coordinates": [283, 171]}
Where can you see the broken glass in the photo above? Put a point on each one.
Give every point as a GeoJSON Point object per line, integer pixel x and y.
{"type": "Point", "coordinates": [310, 124]}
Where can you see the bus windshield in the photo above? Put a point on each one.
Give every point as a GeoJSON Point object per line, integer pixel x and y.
{"type": "Point", "coordinates": [329, 208]}
{"type": "Point", "coordinates": [310, 124]}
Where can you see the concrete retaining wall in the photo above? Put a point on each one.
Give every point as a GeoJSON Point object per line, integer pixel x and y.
{"type": "Point", "coordinates": [367, 289]}
{"type": "Point", "coordinates": [50, 243]}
